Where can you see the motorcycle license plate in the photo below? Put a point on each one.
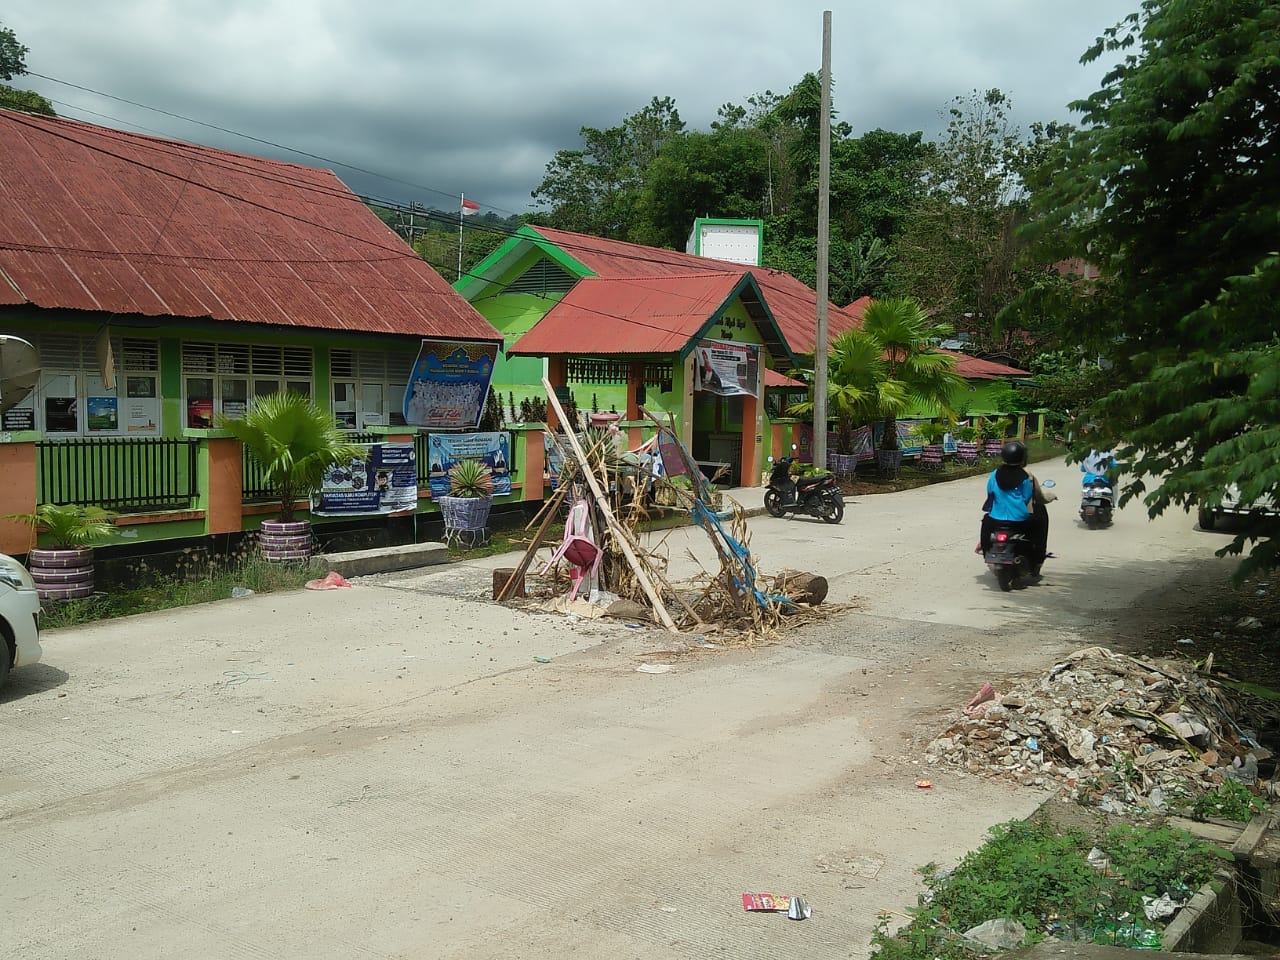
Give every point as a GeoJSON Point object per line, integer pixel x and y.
{"type": "Point", "coordinates": [1000, 553]}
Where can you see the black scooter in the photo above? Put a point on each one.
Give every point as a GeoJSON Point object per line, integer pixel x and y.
{"type": "Point", "coordinates": [815, 496]}
{"type": "Point", "coordinates": [1096, 504]}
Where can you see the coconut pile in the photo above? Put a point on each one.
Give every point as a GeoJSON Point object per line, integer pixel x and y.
{"type": "Point", "coordinates": [1125, 733]}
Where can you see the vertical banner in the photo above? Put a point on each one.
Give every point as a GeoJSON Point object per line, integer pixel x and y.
{"type": "Point", "coordinates": [449, 384]}
{"type": "Point", "coordinates": [446, 449]}
{"type": "Point", "coordinates": [384, 479]}
{"type": "Point", "coordinates": [725, 368]}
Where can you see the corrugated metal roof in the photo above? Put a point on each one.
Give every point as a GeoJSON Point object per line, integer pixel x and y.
{"type": "Point", "coordinates": [971, 368]}
{"type": "Point", "coordinates": [103, 220]}
{"type": "Point", "coordinates": [612, 316]}
{"type": "Point", "coordinates": [773, 378]}
{"type": "Point", "coordinates": [793, 305]}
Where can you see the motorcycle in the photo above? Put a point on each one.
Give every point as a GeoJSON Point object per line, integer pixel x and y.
{"type": "Point", "coordinates": [1097, 503]}
{"type": "Point", "coordinates": [1010, 553]}
{"type": "Point", "coordinates": [814, 496]}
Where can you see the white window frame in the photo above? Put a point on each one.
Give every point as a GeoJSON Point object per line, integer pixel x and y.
{"type": "Point", "coordinates": [261, 368]}
{"type": "Point", "coordinates": [360, 370]}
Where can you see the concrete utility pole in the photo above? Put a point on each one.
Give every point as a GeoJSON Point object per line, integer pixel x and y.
{"type": "Point", "coordinates": [824, 242]}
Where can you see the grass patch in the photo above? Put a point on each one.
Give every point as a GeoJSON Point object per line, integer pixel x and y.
{"type": "Point", "coordinates": [1041, 876]}
{"type": "Point", "coordinates": [165, 593]}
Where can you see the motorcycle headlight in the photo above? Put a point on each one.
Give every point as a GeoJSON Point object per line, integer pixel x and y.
{"type": "Point", "coordinates": [15, 574]}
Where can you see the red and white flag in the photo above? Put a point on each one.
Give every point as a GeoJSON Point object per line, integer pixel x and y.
{"type": "Point", "coordinates": [469, 207]}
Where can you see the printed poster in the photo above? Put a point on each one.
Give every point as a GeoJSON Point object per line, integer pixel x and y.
{"type": "Point", "coordinates": [725, 368]}
{"type": "Point", "coordinates": [446, 449]}
{"type": "Point", "coordinates": [383, 479]}
{"type": "Point", "coordinates": [449, 384]}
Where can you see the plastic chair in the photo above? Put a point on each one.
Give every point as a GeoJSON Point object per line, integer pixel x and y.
{"type": "Point", "coordinates": [577, 548]}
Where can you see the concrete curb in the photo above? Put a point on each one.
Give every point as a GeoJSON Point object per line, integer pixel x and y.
{"type": "Point", "coordinates": [360, 563]}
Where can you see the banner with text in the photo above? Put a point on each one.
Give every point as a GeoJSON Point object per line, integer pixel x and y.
{"type": "Point", "coordinates": [383, 479]}
{"type": "Point", "coordinates": [449, 384]}
{"type": "Point", "coordinates": [446, 449]}
{"type": "Point", "coordinates": [725, 368]}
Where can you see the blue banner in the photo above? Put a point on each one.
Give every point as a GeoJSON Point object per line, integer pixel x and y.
{"type": "Point", "coordinates": [384, 479]}
{"type": "Point", "coordinates": [446, 449]}
{"type": "Point", "coordinates": [449, 384]}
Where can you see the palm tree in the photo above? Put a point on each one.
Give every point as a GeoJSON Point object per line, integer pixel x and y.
{"type": "Point", "coordinates": [912, 372]}
{"type": "Point", "coordinates": [294, 440]}
{"type": "Point", "coordinates": [879, 372]}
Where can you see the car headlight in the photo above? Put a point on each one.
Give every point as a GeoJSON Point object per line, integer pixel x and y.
{"type": "Point", "coordinates": [15, 574]}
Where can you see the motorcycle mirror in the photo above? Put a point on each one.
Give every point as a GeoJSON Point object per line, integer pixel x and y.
{"type": "Point", "coordinates": [794, 447]}
{"type": "Point", "coordinates": [1050, 483]}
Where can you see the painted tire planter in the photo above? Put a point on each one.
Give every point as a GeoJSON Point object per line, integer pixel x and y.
{"type": "Point", "coordinates": [991, 448]}
{"type": "Point", "coordinates": [466, 519]}
{"type": "Point", "coordinates": [931, 456]}
{"type": "Point", "coordinates": [966, 451]}
{"type": "Point", "coordinates": [285, 539]}
{"type": "Point", "coordinates": [65, 574]}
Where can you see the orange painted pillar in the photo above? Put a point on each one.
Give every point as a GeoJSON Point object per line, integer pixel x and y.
{"type": "Point", "coordinates": [226, 494]}
{"type": "Point", "coordinates": [17, 495]}
{"type": "Point", "coordinates": [635, 379]}
{"type": "Point", "coordinates": [535, 459]}
{"type": "Point", "coordinates": [558, 375]}
{"type": "Point", "coordinates": [752, 440]}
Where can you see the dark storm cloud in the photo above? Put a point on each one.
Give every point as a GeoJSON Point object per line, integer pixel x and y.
{"type": "Point", "coordinates": [478, 97]}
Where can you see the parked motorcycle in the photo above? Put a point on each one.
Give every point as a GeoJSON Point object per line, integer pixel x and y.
{"type": "Point", "coordinates": [815, 496]}
{"type": "Point", "coordinates": [1097, 502]}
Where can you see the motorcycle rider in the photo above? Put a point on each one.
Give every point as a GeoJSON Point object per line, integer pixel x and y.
{"type": "Point", "coordinates": [1095, 467]}
{"type": "Point", "coordinates": [1015, 499]}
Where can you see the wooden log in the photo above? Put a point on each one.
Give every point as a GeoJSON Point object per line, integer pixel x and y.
{"type": "Point", "coordinates": [801, 587]}
{"type": "Point", "coordinates": [517, 575]}
{"type": "Point", "coordinates": [504, 575]}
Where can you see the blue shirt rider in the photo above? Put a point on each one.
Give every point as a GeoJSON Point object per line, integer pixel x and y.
{"type": "Point", "coordinates": [1013, 498]}
{"type": "Point", "coordinates": [1095, 467]}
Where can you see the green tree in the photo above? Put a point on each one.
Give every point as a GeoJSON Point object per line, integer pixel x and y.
{"type": "Point", "coordinates": [13, 64]}
{"type": "Point", "coordinates": [957, 248]}
{"type": "Point", "coordinates": [1172, 187]}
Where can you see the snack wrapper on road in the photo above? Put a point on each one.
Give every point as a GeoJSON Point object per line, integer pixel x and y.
{"type": "Point", "coordinates": [766, 902]}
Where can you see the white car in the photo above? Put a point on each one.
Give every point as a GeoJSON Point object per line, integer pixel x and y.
{"type": "Point", "coordinates": [19, 617]}
{"type": "Point", "coordinates": [1231, 506]}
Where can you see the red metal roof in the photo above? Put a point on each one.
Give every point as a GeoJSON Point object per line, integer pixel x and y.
{"type": "Point", "coordinates": [104, 220]}
{"type": "Point", "coordinates": [971, 368]}
{"type": "Point", "coordinates": [615, 316]}
{"type": "Point", "coordinates": [772, 378]}
{"type": "Point", "coordinates": [793, 305]}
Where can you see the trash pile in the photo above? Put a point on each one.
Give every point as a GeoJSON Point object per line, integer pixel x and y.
{"type": "Point", "coordinates": [1128, 734]}
{"type": "Point", "coordinates": [602, 491]}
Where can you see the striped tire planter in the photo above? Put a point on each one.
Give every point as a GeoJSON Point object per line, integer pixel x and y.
{"type": "Point", "coordinates": [285, 540]}
{"type": "Point", "coordinates": [931, 456]}
{"type": "Point", "coordinates": [61, 574]}
{"type": "Point", "coordinates": [992, 448]}
{"type": "Point", "coordinates": [966, 451]}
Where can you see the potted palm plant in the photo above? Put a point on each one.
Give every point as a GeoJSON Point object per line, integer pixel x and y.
{"type": "Point", "coordinates": [466, 508]}
{"type": "Point", "coordinates": [966, 444]}
{"type": "Point", "coordinates": [932, 433]}
{"type": "Point", "coordinates": [992, 432]}
{"type": "Point", "coordinates": [63, 568]}
{"type": "Point", "coordinates": [294, 440]}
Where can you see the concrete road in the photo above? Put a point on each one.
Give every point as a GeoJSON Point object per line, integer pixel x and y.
{"type": "Point", "coordinates": [387, 771]}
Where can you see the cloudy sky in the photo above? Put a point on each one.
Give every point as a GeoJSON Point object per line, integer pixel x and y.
{"type": "Point", "coordinates": [435, 98]}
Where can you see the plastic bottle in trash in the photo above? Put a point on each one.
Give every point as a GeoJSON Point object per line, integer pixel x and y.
{"type": "Point", "coordinates": [239, 592]}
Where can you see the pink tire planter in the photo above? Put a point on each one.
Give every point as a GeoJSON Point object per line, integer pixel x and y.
{"type": "Point", "coordinates": [280, 540]}
{"type": "Point", "coordinates": [61, 574]}
{"type": "Point", "coordinates": [966, 452]}
{"type": "Point", "coordinates": [931, 456]}
{"type": "Point", "coordinates": [991, 448]}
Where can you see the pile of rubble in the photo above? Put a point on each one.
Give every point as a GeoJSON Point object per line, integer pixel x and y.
{"type": "Point", "coordinates": [1122, 732]}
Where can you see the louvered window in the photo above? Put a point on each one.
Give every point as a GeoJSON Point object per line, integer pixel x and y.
{"type": "Point", "coordinates": [543, 278]}
{"type": "Point", "coordinates": [84, 392]}
{"type": "Point", "coordinates": [226, 377]}
{"type": "Point", "coordinates": [368, 386]}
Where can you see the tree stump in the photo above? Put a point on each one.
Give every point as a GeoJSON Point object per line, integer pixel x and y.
{"type": "Point", "coordinates": [801, 587]}
{"type": "Point", "coordinates": [500, 578]}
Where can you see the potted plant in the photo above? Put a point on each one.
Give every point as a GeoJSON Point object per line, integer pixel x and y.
{"type": "Point", "coordinates": [966, 444]}
{"type": "Point", "coordinates": [992, 433]}
{"type": "Point", "coordinates": [63, 569]}
{"type": "Point", "coordinates": [295, 441]}
{"type": "Point", "coordinates": [466, 508]}
{"type": "Point", "coordinates": [931, 432]}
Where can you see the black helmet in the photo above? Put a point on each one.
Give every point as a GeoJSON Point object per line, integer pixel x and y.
{"type": "Point", "coordinates": [1014, 453]}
